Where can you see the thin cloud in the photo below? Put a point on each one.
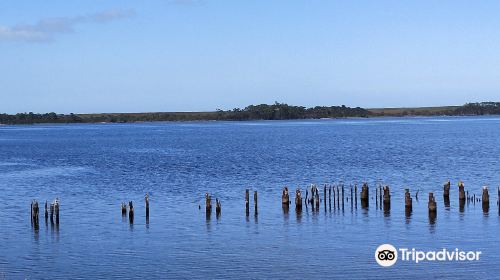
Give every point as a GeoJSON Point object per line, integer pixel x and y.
{"type": "Point", "coordinates": [45, 30]}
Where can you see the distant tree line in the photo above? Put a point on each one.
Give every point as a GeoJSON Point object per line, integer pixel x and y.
{"type": "Point", "coordinates": [276, 111]}
{"type": "Point", "coordinates": [483, 108]}
{"type": "Point", "coordinates": [281, 111]}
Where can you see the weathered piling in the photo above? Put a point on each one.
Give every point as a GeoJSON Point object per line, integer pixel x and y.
{"type": "Point", "coordinates": [34, 215]}
{"type": "Point", "coordinates": [408, 200]}
{"type": "Point", "coordinates": [298, 200]}
{"type": "Point", "coordinates": [46, 211]}
{"type": "Point", "coordinates": [324, 196]}
{"type": "Point", "coordinates": [461, 191]}
{"type": "Point", "coordinates": [380, 195]}
{"type": "Point", "coordinates": [446, 189]}
{"type": "Point", "coordinates": [131, 212]}
{"type": "Point", "coordinates": [485, 199]}
{"type": "Point", "coordinates": [387, 195]}
{"type": "Point", "coordinates": [247, 201]}
{"type": "Point", "coordinates": [356, 195]}
{"type": "Point", "coordinates": [146, 200]}
{"type": "Point", "coordinates": [217, 207]}
{"type": "Point", "coordinates": [364, 196]}
{"type": "Point", "coordinates": [343, 197]}
{"type": "Point", "coordinates": [285, 198]}
{"type": "Point", "coordinates": [255, 202]}
{"type": "Point", "coordinates": [307, 197]}
{"type": "Point", "coordinates": [208, 203]}
{"type": "Point", "coordinates": [498, 200]}
{"type": "Point", "coordinates": [124, 209]}
{"type": "Point", "coordinates": [432, 203]}
{"type": "Point", "coordinates": [56, 209]}
{"type": "Point", "coordinates": [351, 197]}
{"type": "Point", "coordinates": [34, 210]}
{"type": "Point", "coordinates": [52, 213]}
{"type": "Point", "coordinates": [316, 197]}
{"type": "Point", "coordinates": [338, 198]}
{"type": "Point", "coordinates": [376, 197]}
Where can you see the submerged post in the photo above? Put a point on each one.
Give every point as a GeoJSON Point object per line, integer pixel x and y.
{"type": "Point", "coordinates": [131, 212]}
{"type": "Point", "coordinates": [46, 211]}
{"type": "Point", "coordinates": [486, 199]}
{"type": "Point", "coordinates": [217, 207]}
{"type": "Point", "coordinates": [356, 195]}
{"type": "Point", "coordinates": [255, 202]}
{"type": "Point", "coordinates": [350, 186]}
{"type": "Point", "coordinates": [285, 198]}
{"type": "Point", "coordinates": [432, 203]}
{"type": "Point", "coordinates": [52, 213]}
{"type": "Point", "coordinates": [446, 190]}
{"type": "Point", "coordinates": [324, 196]}
{"type": "Point", "coordinates": [364, 195]}
{"type": "Point", "coordinates": [298, 200]}
{"type": "Point", "coordinates": [316, 197]}
{"type": "Point", "coordinates": [124, 209]}
{"type": "Point", "coordinates": [408, 200]}
{"type": "Point", "coordinates": [146, 200]}
{"type": "Point", "coordinates": [247, 201]}
{"type": "Point", "coordinates": [34, 213]}
{"type": "Point", "coordinates": [56, 208]}
{"type": "Point", "coordinates": [342, 196]}
{"type": "Point", "coordinates": [461, 191]}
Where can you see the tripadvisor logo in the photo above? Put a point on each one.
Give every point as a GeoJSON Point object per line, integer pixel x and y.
{"type": "Point", "coordinates": [386, 255]}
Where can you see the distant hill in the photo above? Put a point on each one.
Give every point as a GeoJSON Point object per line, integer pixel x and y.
{"type": "Point", "coordinates": [276, 111]}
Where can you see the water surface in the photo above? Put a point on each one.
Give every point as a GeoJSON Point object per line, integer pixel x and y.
{"type": "Point", "coordinates": [92, 168]}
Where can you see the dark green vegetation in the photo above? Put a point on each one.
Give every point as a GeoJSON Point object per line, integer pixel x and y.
{"type": "Point", "coordinates": [276, 111]}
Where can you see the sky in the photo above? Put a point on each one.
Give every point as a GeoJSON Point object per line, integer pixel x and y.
{"type": "Point", "coordinates": [200, 55]}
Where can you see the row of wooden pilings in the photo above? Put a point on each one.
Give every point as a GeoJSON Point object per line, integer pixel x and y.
{"type": "Point", "coordinates": [54, 212]}
{"type": "Point", "coordinates": [382, 198]}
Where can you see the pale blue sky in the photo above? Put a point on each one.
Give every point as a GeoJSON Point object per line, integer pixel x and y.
{"type": "Point", "coordinates": [181, 55]}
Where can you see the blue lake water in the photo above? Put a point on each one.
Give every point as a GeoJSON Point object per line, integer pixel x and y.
{"type": "Point", "coordinates": [92, 168]}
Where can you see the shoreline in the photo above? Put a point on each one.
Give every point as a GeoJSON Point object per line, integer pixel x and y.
{"type": "Point", "coordinates": [276, 111]}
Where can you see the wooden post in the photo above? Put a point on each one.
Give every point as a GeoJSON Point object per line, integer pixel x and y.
{"type": "Point", "coordinates": [255, 202]}
{"type": "Point", "coordinates": [461, 191]}
{"type": "Point", "coordinates": [316, 197]}
{"type": "Point", "coordinates": [52, 213]}
{"type": "Point", "coordinates": [333, 188]}
{"type": "Point", "coordinates": [124, 209]}
{"type": "Point", "coordinates": [56, 209]}
{"type": "Point", "coordinates": [408, 200]}
{"type": "Point", "coordinates": [356, 196]}
{"type": "Point", "coordinates": [380, 196]}
{"type": "Point", "coordinates": [338, 198]}
{"type": "Point", "coordinates": [324, 196]}
{"type": "Point", "coordinates": [46, 211]}
{"type": "Point", "coordinates": [131, 212]}
{"type": "Point", "coordinates": [146, 200]}
{"type": "Point", "coordinates": [365, 196]}
{"type": "Point", "coordinates": [298, 200]}
{"type": "Point", "coordinates": [446, 189]}
{"type": "Point", "coordinates": [376, 197]}
{"type": "Point", "coordinates": [387, 195]}
{"type": "Point", "coordinates": [486, 199]}
{"type": "Point", "coordinates": [350, 186]}
{"type": "Point", "coordinates": [34, 214]}
{"type": "Point", "coordinates": [285, 198]}
{"type": "Point", "coordinates": [247, 202]}
{"type": "Point", "coordinates": [217, 207]}
{"type": "Point", "coordinates": [343, 196]}
{"type": "Point", "coordinates": [432, 203]}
